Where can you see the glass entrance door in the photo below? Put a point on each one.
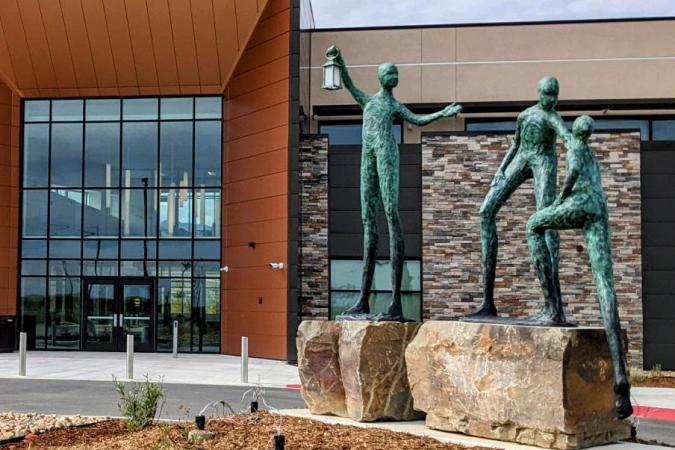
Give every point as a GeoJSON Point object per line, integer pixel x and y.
{"type": "Point", "coordinates": [116, 308]}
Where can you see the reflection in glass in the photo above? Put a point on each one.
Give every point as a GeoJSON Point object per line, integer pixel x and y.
{"type": "Point", "coordinates": [206, 316]}
{"type": "Point", "coordinates": [138, 268]}
{"type": "Point", "coordinates": [137, 312]}
{"type": "Point", "coordinates": [139, 212]}
{"type": "Point", "coordinates": [34, 310]}
{"type": "Point", "coordinates": [207, 212]}
{"type": "Point", "coordinates": [209, 108]}
{"type": "Point", "coordinates": [139, 249]}
{"type": "Point", "coordinates": [36, 155]}
{"type": "Point", "coordinates": [35, 213]}
{"type": "Point", "coordinates": [34, 267]}
{"type": "Point", "coordinates": [207, 249]}
{"type": "Point", "coordinates": [100, 310]}
{"type": "Point", "coordinates": [59, 248]}
{"type": "Point", "coordinates": [33, 249]}
{"type": "Point", "coordinates": [100, 249]}
{"type": "Point", "coordinates": [139, 154]}
{"type": "Point", "coordinates": [207, 269]}
{"type": "Point", "coordinates": [341, 301]}
{"type": "Point", "coordinates": [346, 275]}
{"type": "Point", "coordinates": [175, 269]}
{"type": "Point", "coordinates": [66, 162]}
{"type": "Point", "coordinates": [99, 268]}
{"type": "Point", "coordinates": [103, 110]}
{"type": "Point", "coordinates": [141, 108]}
{"type": "Point", "coordinates": [175, 212]}
{"type": "Point", "coordinates": [63, 329]}
{"type": "Point", "coordinates": [65, 213]}
{"type": "Point", "coordinates": [64, 268]}
{"type": "Point", "coordinates": [175, 162]}
{"type": "Point", "coordinates": [101, 212]}
{"type": "Point", "coordinates": [102, 155]}
{"type": "Point", "coordinates": [208, 151]}
{"type": "Point", "coordinates": [67, 110]}
{"type": "Point", "coordinates": [177, 108]}
{"type": "Point", "coordinates": [664, 130]}
{"type": "Point", "coordinates": [175, 249]}
{"type": "Point", "coordinates": [36, 111]}
{"type": "Point", "coordinates": [174, 302]}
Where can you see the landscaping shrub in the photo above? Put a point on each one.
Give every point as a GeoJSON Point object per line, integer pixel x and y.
{"type": "Point", "coordinates": [139, 404]}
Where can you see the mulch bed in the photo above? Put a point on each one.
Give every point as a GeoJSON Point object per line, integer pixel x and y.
{"type": "Point", "coordinates": [242, 432]}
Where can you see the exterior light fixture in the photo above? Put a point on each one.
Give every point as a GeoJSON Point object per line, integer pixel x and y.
{"type": "Point", "coordinates": [332, 71]}
{"type": "Point", "coordinates": [278, 265]}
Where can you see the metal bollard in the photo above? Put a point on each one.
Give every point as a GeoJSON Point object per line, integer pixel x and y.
{"type": "Point", "coordinates": [175, 339]}
{"type": "Point", "coordinates": [23, 345]}
{"type": "Point", "coordinates": [244, 359]}
{"type": "Point", "coordinates": [130, 356]}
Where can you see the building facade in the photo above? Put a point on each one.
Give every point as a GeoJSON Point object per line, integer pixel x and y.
{"type": "Point", "coordinates": [177, 162]}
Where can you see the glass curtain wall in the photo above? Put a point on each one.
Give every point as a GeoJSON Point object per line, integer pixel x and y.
{"type": "Point", "coordinates": [122, 188]}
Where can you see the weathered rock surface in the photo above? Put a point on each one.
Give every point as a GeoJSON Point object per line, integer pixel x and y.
{"type": "Point", "coordinates": [550, 387]}
{"type": "Point", "coordinates": [356, 369]}
{"type": "Point", "coordinates": [319, 367]}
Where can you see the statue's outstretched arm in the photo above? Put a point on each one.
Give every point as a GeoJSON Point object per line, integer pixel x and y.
{"type": "Point", "coordinates": [402, 112]}
{"type": "Point", "coordinates": [361, 97]}
{"type": "Point", "coordinates": [559, 126]}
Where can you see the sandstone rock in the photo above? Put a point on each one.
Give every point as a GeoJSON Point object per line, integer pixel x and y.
{"type": "Point", "coordinates": [550, 387]}
{"type": "Point", "coordinates": [356, 369]}
{"type": "Point", "coordinates": [319, 367]}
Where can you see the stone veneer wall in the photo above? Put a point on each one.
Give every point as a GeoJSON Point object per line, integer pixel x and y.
{"type": "Point", "coordinates": [456, 174]}
{"type": "Point", "coordinates": [313, 264]}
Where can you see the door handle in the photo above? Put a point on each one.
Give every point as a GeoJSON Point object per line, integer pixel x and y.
{"type": "Point", "coordinates": [114, 320]}
{"type": "Point", "coordinates": [121, 320]}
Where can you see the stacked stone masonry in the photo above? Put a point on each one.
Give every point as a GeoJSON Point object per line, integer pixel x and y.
{"type": "Point", "coordinates": [456, 174]}
{"type": "Point", "coordinates": [314, 227]}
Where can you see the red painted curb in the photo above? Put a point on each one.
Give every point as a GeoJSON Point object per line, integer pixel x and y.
{"type": "Point", "coordinates": [293, 386]}
{"type": "Point", "coordinates": [652, 412]}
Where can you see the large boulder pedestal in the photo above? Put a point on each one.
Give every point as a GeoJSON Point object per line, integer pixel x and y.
{"type": "Point", "coordinates": [549, 387]}
{"type": "Point", "coordinates": [356, 369]}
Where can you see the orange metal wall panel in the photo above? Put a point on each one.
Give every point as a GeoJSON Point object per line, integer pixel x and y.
{"type": "Point", "coordinates": [120, 42]}
{"type": "Point", "coordinates": [55, 31]}
{"type": "Point", "coordinates": [78, 40]}
{"type": "Point", "coordinates": [255, 186]}
{"type": "Point", "coordinates": [31, 18]}
{"type": "Point", "coordinates": [141, 40]}
{"type": "Point", "coordinates": [18, 47]}
{"type": "Point", "coordinates": [162, 40]}
{"type": "Point", "coordinates": [205, 41]}
{"type": "Point", "coordinates": [184, 43]}
{"type": "Point", "coordinates": [97, 30]}
{"type": "Point", "coordinates": [227, 37]}
{"type": "Point", "coordinates": [9, 198]}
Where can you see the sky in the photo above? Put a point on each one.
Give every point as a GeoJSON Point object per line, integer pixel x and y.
{"type": "Point", "coordinates": [368, 13]}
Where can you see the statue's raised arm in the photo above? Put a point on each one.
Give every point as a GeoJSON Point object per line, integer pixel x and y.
{"type": "Point", "coordinates": [402, 112]}
{"type": "Point", "coordinates": [361, 97]}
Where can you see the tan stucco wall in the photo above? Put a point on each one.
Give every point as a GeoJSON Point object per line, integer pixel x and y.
{"type": "Point", "coordinates": [593, 61]}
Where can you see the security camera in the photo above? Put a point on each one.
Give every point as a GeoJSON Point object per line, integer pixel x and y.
{"type": "Point", "coordinates": [278, 265]}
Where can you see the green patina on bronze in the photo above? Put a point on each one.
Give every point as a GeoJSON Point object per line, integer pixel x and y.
{"type": "Point", "coordinates": [380, 179]}
{"type": "Point", "coordinates": [581, 204]}
{"type": "Point", "coordinates": [532, 155]}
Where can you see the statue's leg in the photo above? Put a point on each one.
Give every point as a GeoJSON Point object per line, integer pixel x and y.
{"type": "Point", "coordinates": [563, 217]}
{"type": "Point", "coordinates": [370, 200]}
{"type": "Point", "coordinates": [597, 239]}
{"type": "Point", "coordinates": [515, 175]}
{"type": "Point", "coordinates": [545, 181]}
{"type": "Point", "coordinates": [388, 171]}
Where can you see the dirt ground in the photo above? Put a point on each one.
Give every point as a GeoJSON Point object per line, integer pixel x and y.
{"type": "Point", "coordinates": [249, 432]}
{"type": "Point", "coordinates": [664, 379]}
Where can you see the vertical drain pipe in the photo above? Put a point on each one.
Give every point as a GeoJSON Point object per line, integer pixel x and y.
{"type": "Point", "coordinates": [130, 356]}
{"type": "Point", "coordinates": [244, 359]}
{"type": "Point", "coordinates": [175, 339]}
{"type": "Point", "coordinates": [23, 345]}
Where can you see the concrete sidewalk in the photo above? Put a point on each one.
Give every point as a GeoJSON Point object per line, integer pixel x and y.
{"type": "Point", "coordinates": [186, 369]}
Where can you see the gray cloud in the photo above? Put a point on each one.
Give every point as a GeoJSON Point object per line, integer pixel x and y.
{"type": "Point", "coordinates": [361, 13]}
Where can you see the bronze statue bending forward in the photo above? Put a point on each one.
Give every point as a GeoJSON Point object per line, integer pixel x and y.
{"type": "Point", "coordinates": [582, 204]}
{"type": "Point", "coordinates": [380, 179]}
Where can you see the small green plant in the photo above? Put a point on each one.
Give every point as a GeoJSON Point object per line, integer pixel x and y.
{"type": "Point", "coordinates": [635, 374]}
{"type": "Point", "coordinates": [656, 370]}
{"type": "Point", "coordinates": [163, 442]}
{"type": "Point", "coordinates": [139, 404]}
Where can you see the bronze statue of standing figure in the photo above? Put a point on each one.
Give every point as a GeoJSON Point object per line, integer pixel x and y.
{"type": "Point", "coordinates": [532, 155]}
{"type": "Point", "coordinates": [582, 204]}
{"type": "Point", "coordinates": [380, 179]}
